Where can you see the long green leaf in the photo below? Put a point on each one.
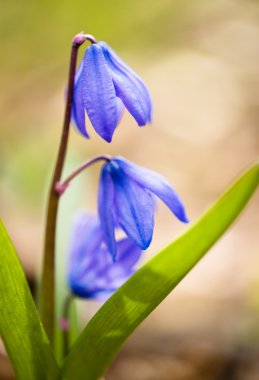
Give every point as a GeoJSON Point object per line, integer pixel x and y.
{"type": "Point", "coordinates": [131, 304]}
{"type": "Point", "coordinates": [24, 337]}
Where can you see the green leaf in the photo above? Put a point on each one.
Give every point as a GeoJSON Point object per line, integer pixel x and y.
{"type": "Point", "coordinates": [20, 327]}
{"type": "Point", "coordinates": [135, 300]}
{"type": "Point", "coordinates": [74, 323]}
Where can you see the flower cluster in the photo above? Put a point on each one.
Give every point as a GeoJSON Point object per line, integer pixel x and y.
{"type": "Point", "coordinates": [99, 262]}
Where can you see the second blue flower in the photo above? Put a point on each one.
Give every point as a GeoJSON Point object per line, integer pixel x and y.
{"type": "Point", "coordinates": [126, 200]}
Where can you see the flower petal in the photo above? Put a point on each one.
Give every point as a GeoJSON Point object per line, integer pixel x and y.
{"type": "Point", "coordinates": [78, 110]}
{"type": "Point", "coordinates": [98, 93]}
{"type": "Point", "coordinates": [105, 209]}
{"type": "Point", "coordinates": [112, 275]}
{"type": "Point", "coordinates": [120, 109]}
{"type": "Point", "coordinates": [86, 239]}
{"type": "Point", "coordinates": [128, 255]}
{"type": "Point", "coordinates": [94, 279]}
{"type": "Point", "coordinates": [122, 66]}
{"type": "Point", "coordinates": [155, 183]}
{"type": "Point", "coordinates": [129, 91]}
{"type": "Point", "coordinates": [134, 207]}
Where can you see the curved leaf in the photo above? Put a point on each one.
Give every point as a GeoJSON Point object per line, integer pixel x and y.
{"type": "Point", "coordinates": [131, 304]}
{"type": "Point", "coordinates": [20, 327]}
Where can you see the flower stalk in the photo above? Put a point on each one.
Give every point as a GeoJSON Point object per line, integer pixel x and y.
{"type": "Point", "coordinates": [47, 292]}
{"type": "Point", "coordinates": [62, 186]}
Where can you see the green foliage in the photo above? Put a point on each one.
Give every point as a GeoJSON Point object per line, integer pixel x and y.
{"type": "Point", "coordinates": [135, 300]}
{"type": "Point", "coordinates": [20, 328]}
{"type": "Point", "coordinates": [25, 339]}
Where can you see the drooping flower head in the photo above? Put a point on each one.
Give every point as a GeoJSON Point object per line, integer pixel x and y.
{"type": "Point", "coordinates": [91, 271]}
{"type": "Point", "coordinates": [104, 84]}
{"type": "Point", "coordinates": [126, 199]}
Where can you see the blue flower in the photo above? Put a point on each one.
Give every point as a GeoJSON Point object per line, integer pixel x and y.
{"type": "Point", "coordinates": [126, 199]}
{"type": "Point", "coordinates": [104, 84]}
{"type": "Point", "coordinates": [91, 271]}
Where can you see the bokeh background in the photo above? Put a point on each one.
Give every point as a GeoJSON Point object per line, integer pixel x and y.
{"type": "Point", "coordinates": [200, 60]}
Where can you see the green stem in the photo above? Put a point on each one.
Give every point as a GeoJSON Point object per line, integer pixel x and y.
{"type": "Point", "coordinates": [47, 292]}
{"type": "Point", "coordinates": [65, 324]}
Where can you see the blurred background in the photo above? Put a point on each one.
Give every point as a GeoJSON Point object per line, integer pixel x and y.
{"type": "Point", "coordinates": [200, 60]}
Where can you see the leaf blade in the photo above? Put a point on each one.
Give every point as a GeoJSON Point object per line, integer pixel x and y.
{"type": "Point", "coordinates": [105, 333]}
{"type": "Point", "coordinates": [20, 327]}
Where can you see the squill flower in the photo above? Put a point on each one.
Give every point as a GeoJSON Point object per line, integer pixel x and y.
{"type": "Point", "coordinates": [104, 84]}
{"type": "Point", "coordinates": [126, 200]}
{"type": "Point", "coordinates": [91, 271]}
